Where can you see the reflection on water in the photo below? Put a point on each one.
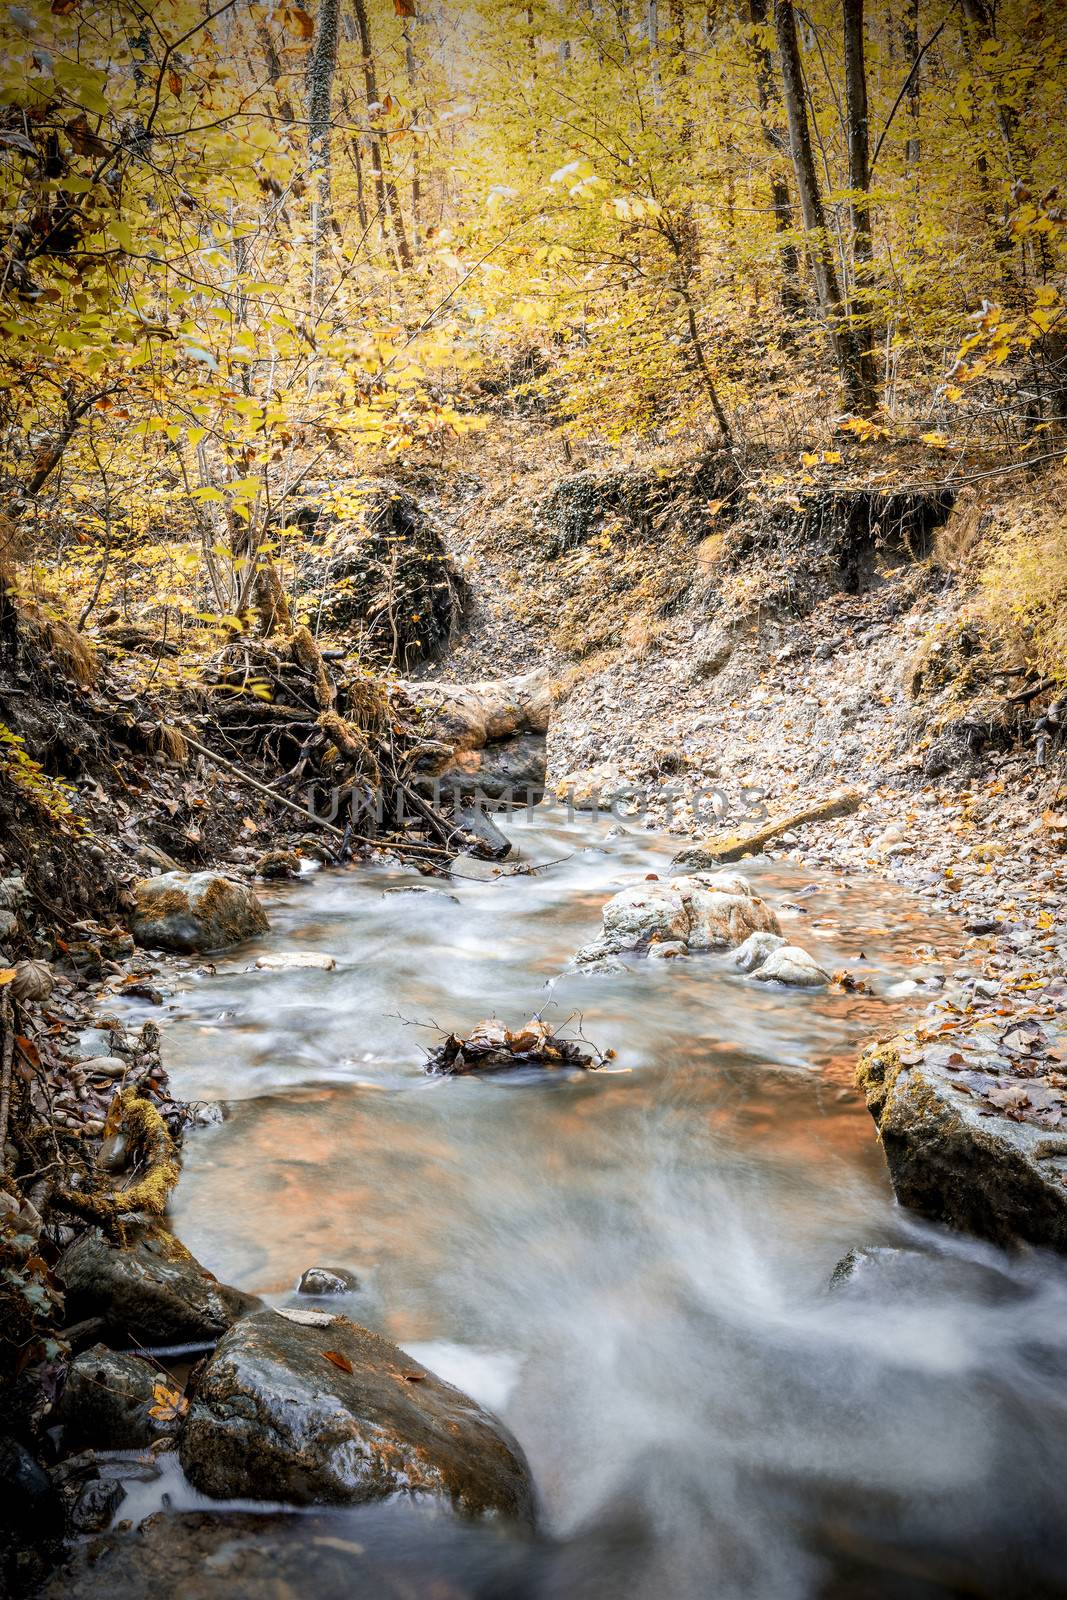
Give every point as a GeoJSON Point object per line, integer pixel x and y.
{"type": "Point", "coordinates": [632, 1267]}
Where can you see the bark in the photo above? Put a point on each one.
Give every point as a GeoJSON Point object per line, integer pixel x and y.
{"type": "Point", "coordinates": [911, 61]}
{"type": "Point", "coordinates": [384, 183]}
{"type": "Point", "coordinates": [827, 287]}
{"type": "Point", "coordinates": [322, 64]}
{"type": "Point", "coordinates": [859, 182]}
{"type": "Point", "coordinates": [777, 140]}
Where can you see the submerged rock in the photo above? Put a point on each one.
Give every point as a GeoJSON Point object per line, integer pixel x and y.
{"type": "Point", "coordinates": [755, 950]}
{"type": "Point", "coordinates": [327, 1280]}
{"type": "Point", "coordinates": [708, 911]}
{"type": "Point", "coordinates": [297, 960]}
{"type": "Point", "coordinates": [187, 912]}
{"type": "Point", "coordinates": [791, 965]}
{"type": "Point", "coordinates": [953, 1154]}
{"type": "Point", "coordinates": [152, 1292]}
{"type": "Point", "coordinates": [107, 1402]}
{"type": "Point", "coordinates": [335, 1413]}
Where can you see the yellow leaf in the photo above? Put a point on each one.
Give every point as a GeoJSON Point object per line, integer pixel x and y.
{"type": "Point", "coordinates": [831, 457]}
{"type": "Point", "coordinates": [938, 441]}
{"type": "Point", "coordinates": [7, 975]}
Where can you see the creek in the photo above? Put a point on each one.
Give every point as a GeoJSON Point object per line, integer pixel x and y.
{"type": "Point", "coordinates": [631, 1266]}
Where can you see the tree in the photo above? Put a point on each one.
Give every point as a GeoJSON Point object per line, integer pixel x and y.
{"type": "Point", "coordinates": [859, 180]}
{"type": "Point", "coordinates": [824, 272]}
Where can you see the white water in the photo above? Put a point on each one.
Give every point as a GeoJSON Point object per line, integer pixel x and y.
{"type": "Point", "coordinates": [631, 1267]}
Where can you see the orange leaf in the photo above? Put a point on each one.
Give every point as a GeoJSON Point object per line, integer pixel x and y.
{"type": "Point", "coordinates": [29, 1050]}
{"type": "Point", "coordinates": [338, 1359]}
{"type": "Point", "coordinates": [174, 83]}
{"type": "Point", "coordinates": [303, 24]}
{"type": "Point", "coordinates": [406, 8]}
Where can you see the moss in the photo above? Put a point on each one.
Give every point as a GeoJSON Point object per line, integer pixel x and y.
{"type": "Point", "coordinates": [156, 1156]}
{"type": "Point", "coordinates": [876, 1072]}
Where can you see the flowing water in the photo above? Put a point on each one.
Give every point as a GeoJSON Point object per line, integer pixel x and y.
{"type": "Point", "coordinates": [632, 1266]}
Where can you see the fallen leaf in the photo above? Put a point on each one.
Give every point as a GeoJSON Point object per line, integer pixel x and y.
{"type": "Point", "coordinates": [7, 975]}
{"type": "Point", "coordinates": [338, 1359]}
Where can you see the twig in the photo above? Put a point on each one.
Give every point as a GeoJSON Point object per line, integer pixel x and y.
{"type": "Point", "coordinates": [261, 788]}
{"type": "Point", "coordinates": [7, 1026]}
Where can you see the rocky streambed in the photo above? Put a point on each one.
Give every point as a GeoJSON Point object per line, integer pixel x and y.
{"type": "Point", "coordinates": [573, 1331]}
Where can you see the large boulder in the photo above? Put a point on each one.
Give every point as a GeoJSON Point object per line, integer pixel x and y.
{"type": "Point", "coordinates": [488, 736]}
{"type": "Point", "coordinates": [308, 1408]}
{"type": "Point", "coordinates": [108, 1401]}
{"type": "Point", "coordinates": [708, 911]}
{"type": "Point", "coordinates": [968, 1140]}
{"type": "Point", "coordinates": [152, 1292]}
{"type": "Point", "coordinates": [190, 911]}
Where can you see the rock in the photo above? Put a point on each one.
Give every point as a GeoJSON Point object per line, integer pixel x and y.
{"type": "Point", "coordinates": [791, 965]}
{"type": "Point", "coordinates": [951, 1157]}
{"type": "Point", "coordinates": [106, 1402]}
{"type": "Point", "coordinates": [668, 950]}
{"type": "Point", "coordinates": [507, 769]}
{"type": "Point", "coordinates": [291, 960]}
{"type": "Point", "coordinates": [490, 736]}
{"type": "Point", "coordinates": [755, 950]}
{"type": "Point", "coordinates": [95, 1505]}
{"type": "Point", "coordinates": [493, 843]}
{"type": "Point", "coordinates": [195, 911]}
{"type": "Point", "coordinates": [153, 1292]}
{"type": "Point", "coordinates": [711, 911]}
{"type": "Point", "coordinates": [327, 1280]}
{"type": "Point", "coordinates": [893, 1273]}
{"type": "Point", "coordinates": [324, 1555]}
{"type": "Point", "coordinates": [278, 864]}
{"type": "Point", "coordinates": [338, 1414]}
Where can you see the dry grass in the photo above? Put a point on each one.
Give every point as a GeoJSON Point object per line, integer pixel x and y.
{"type": "Point", "coordinates": [1023, 577]}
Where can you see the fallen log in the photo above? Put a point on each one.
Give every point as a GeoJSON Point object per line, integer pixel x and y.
{"type": "Point", "coordinates": [733, 846]}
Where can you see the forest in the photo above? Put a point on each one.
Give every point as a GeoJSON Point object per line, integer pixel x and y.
{"type": "Point", "coordinates": [533, 798]}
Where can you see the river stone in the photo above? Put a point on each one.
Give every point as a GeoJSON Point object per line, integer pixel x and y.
{"type": "Point", "coordinates": [190, 911]}
{"type": "Point", "coordinates": [709, 911]}
{"type": "Point", "coordinates": [152, 1292]}
{"type": "Point", "coordinates": [791, 965]}
{"type": "Point", "coordinates": [106, 1402]}
{"type": "Point", "coordinates": [951, 1157]}
{"type": "Point", "coordinates": [755, 950]}
{"type": "Point", "coordinates": [297, 960]}
{"type": "Point", "coordinates": [338, 1414]}
{"type": "Point", "coordinates": [327, 1280]}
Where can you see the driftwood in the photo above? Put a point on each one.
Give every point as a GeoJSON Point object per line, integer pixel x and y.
{"type": "Point", "coordinates": [731, 847]}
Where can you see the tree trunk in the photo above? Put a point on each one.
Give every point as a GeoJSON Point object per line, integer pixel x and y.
{"type": "Point", "coordinates": [826, 285]}
{"type": "Point", "coordinates": [911, 62]}
{"type": "Point", "coordinates": [385, 185]}
{"type": "Point", "coordinates": [776, 140]}
{"type": "Point", "coordinates": [859, 182]}
{"type": "Point", "coordinates": [322, 63]}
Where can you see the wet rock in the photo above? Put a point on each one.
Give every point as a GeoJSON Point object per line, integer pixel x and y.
{"type": "Point", "coordinates": [890, 1272]}
{"type": "Point", "coordinates": [668, 950]}
{"type": "Point", "coordinates": [512, 769]}
{"type": "Point", "coordinates": [296, 960]}
{"type": "Point", "coordinates": [336, 1413]}
{"type": "Point", "coordinates": [954, 1156]}
{"type": "Point", "coordinates": [755, 950]}
{"type": "Point", "coordinates": [95, 1506]}
{"type": "Point", "coordinates": [492, 844]}
{"type": "Point", "coordinates": [792, 965]}
{"type": "Point", "coordinates": [107, 1402]}
{"type": "Point", "coordinates": [153, 1292]}
{"type": "Point", "coordinates": [708, 911]}
{"type": "Point", "coordinates": [278, 864]}
{"type": "Point", "coordinates": [195, 911]}
{"type": "Point", "coordinates": [29, 1504]}
{"type": "Point", "coordinates": [327, 1280]}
